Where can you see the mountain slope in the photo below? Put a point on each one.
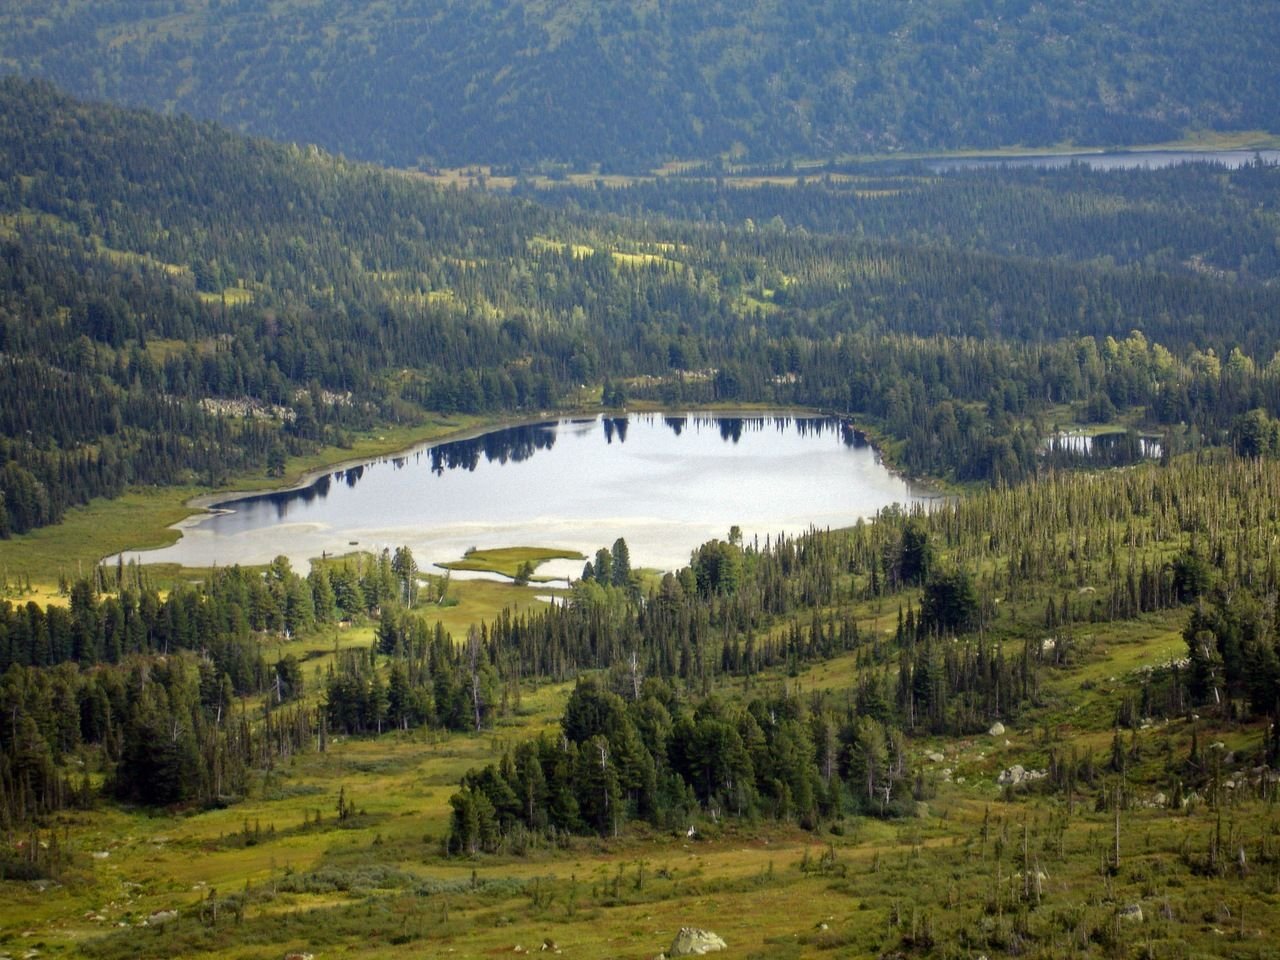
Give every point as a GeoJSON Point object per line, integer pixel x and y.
{"type": "Point", "coordinates": [632, 82]}
{"type": "Point", "coordinates": [182, 304]}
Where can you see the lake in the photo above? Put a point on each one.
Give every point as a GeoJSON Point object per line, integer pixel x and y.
{"type": "Point", "coordinates": [1124, 160]}
{"type": "Point", "coordinates": [666, 483]}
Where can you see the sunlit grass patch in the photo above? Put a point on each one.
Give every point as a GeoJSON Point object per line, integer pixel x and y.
{"type": "Point", "coordinates": [230, 296]}
{"type": "Point", "coordinates": [508, 561]}
{"type": "Point", "coordinates": [469, 602]}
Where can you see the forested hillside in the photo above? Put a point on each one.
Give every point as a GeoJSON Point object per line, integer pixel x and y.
{"type": "Point", "coordinates": [632, 83]}
{"type": "Point", "coordinates": [181, 304]}
{"type": "Point", "coordinates": [1185, 218]}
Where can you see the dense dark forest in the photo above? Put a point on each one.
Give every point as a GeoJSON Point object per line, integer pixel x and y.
{"type": "Point", "coordinates": [180, 304]}
{"type": "Point", "coordinates": [1193, 217]}
{"type": "Point", "coordinates": [630, 84]}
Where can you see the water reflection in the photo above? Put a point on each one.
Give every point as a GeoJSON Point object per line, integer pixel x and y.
{"type": "Point", "coordinates": [512, 445]}
{"type": "Point", "coordinates": [667, 482]}
{"type": "Point", "coordinates": [1117, 448]}
{"type": "Point", "coordinates": [520, 443]}
{"type": "Point", "coordinates": [615, 427]}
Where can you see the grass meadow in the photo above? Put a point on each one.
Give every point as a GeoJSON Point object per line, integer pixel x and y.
{"type": "Point", "coordinates": [981, 870]}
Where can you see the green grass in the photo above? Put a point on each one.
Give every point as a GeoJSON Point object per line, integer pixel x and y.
{"type": "Point", "coordinates": [231, 296]}
{"type": "Point", "coordinates": [479, 601]}
{"type": "Point", "coordinates": [139, 519]}
{"type": "Point", "coordinates": [357, 889]}
{"type": "Point", "coordinates": [507, 561]}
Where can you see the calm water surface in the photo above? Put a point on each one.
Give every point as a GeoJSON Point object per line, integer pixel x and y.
{"type": "Point", "coordinates": [665, 483]}
{"type": "Point", "coordinates": [1138, 159]}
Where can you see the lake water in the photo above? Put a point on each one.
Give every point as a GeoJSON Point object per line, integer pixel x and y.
{"type": "Point", "coordinates": [1134, 160]}
{"type": "Point", "coordinates": [665, 483]}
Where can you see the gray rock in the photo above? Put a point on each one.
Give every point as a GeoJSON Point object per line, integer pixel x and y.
{"type": "Point", "coordinates": [1018, 774]}
{"type": "Point", "coordinates": [692, 942]}
{"type": "Point", "coordinates": [997, 729]}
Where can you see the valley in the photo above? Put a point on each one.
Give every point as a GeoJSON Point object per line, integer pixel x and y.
{"type": "Point", "coordinates": [666, 495]}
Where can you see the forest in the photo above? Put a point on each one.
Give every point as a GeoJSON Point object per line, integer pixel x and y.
{"type": "Point", "coordinates": [201, 319]}
{"type": "Point", "coordinates": [629, 85]}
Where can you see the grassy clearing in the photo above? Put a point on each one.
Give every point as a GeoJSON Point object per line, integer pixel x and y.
{"type": "Point", "coordinates": [231, 296]}
{"type": "Point", "coordinates": [139, 519]}
{"type": "Point", "coordinates": [470, 602]}
{"type": "Point", "coordinates": [948, 883]}
{"type": "Point", "coordinates": [507, 561]}
{"type": "Point", "coordinates": [951, 882]}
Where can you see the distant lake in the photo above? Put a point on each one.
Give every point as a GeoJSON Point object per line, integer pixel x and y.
{"type": "Point", "coordinates": [1131, 160]}
{"type": "Point", "coordinates": [666, 483]}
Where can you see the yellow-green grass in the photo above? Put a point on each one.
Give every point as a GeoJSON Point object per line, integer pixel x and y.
{"type": "Point", "coordinates": [507, 561]}
{"type": "Point", "coordinates": [140, 518]}
{"type": "Point", "coordinates": [472, 602]}
{"type": "Point", "coordinates": [626, 258]}
{"type": "Point", "coordinates": [231, 296]}
{"type": "Point", "coordinates": [742, 880]}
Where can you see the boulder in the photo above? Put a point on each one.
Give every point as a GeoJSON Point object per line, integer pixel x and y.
{"type": "Point", "coordinates": [1017, 774]}
{"type": "Point", "coordinates": [692, 942]}
{"type": "Point", "coordinates": [997, 729]}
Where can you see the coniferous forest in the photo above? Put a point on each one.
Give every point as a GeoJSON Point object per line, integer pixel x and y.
{"type": "Point", "coordinates": [158, 273]}
{"type": "Point", "coordinates": [632, 84]}
{"type": "Point", "coordinates": [1036, 718]}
